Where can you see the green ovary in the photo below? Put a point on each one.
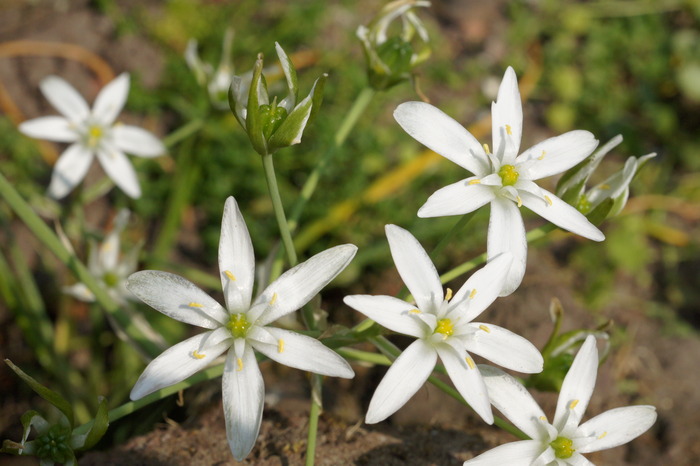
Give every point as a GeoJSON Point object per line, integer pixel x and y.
{"type": "Point", "coordinates": [111, 279]}
{"type": "Point", "coordinates": [445, 327]}
{"type": "Point", "coordinates": [509, 175]}
{"type": "Point", "coordinates": [563, 447]}
{"type": "Point", "coordinates": [238, 325]}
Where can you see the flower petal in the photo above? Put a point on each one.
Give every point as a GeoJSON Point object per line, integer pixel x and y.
{"type": "Point", "coordinates": [507, 234]}
{"type": "Point", "coordinates": [111, 100]}
{"type": "Point", "coordinates": [308, 354]}
{"type": "Point", "coordinates": [51, 128]}
{"type": "Point", "coordinates": [558, 154]}
{"type": "Point", "coordinates": [244, 394]}
{"type": "Point", "coordinates": [579, 460]}
{"type": "Point", "coordinates": [387, 311]}
{"type": "Point", "coordinates": [562, 215]}
{"type": "Point", "coordinates": [456, 199]}
{"type": "Point", "coordinates": [482, 288]}
{"type": "Point", "coordinates": [505, 348]}
{"type": "Point", "coordinates": [70, 169]}
{"type": "Point", "coordinates": [237, 258]}
{"type": "Point", "coordinates": [467, 379]}
{"type": "Point", "coordinates": [403, 379]}
{"type": "Point", "coordinates": [415, 267]}
{"type": "Point", "coordinates": [436, 130]}
{"type": "Point", "coordinates": [65, 98]}
{"type": "Point", "coordinates": [177, 363]}
{"type": "Point", "coordinates": [521, 453]}
{"type": "Point", "coordinates": [119, 169]}
{"type": "Point", "coordinates": [177, 298]}
{"type": "Point", "coordinates": [507, 119]}
{"type": "Point", "coordinates": [299, 284]}
{"type": "Point", "coordinates": [514, 401]}
{"type": "Point", "coordinates": [617, 427]}
{"type": "Point", "coordinates": [137, 141]}
{"type": "Point", "coordinates": [577, 388]}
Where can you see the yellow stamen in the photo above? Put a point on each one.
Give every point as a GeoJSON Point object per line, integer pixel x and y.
{"type": "Point", "coordinates": [274, 299]}
{"type": "Point", "coordinates": [195, 305]}
{"type": "Point", "coordinates": [474, 182]}
{"type": "Point", "coordinates": [414, 311]}
{"type": "Point", "coordinates": [470, 363]}
{"type": "Point", "coordinates": [230, 275]}
{"type": "Point", "coordinates": [448, 294]}
{"type": "Point", "coordinates": [542, 418]}
{"type": "Point", "coordinates": [520, 201]}
{"type": "Point", "coordinates": [548, 199]}
{"type": "Point", "coordinates": [473, 293]}
{"type": "Point", "coordinates": [239, 361]}
{"type": "Point", "coordinates": [486, 148]}
{"type": "Point", "coordinates": [604, 186]}
{"type": "Point", "coordinates": [197, 355]}
{"type": "Point", "coordinates": [541, 156]}
{"type": "Point", "coordinates": [485, 328]}
{"type": "Point", "coordinates": [602, 435]}
{"type": "Point", "coordinates": [509, 130]}
{"type": "Point", "coordinates": [573, 404]}
{"type": "Point", "coordinates": [280, 345]}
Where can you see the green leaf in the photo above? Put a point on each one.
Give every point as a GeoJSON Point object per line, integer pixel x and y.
{"type": "Point", "coordinates": [99, 426]}
{"type": "Point", "coordinates": [600, 213]}
{"type": "Point", "coordinates": [317, 92]}
{"type": "Point", "coordinates": [49, 395]}
{"type": "Point", "coordinates": [33, 418]}
{"type": "Point", "coordinates": [254, 120]}
{"type": "Point", "coordinates": [289, 73]}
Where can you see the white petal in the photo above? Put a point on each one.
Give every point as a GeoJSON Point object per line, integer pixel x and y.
{"type": "Point", "coordinates": [51, 128]}
{"type": "Point", "coordinates": [244, 394]}
{"type": "Point", "coordinates": [70, 169]}
{"type": "Point", "coordinates": [111, 99]}
{"type": "Point", "coordinates": [137, 141]}
{"type": "Point", "coordinates": [578, 384]}
{"type": "Point", "coordinates": [548, 457]}
{"type": "Point", "coordinates": [177, 363]}
{"type": "Point", "coordinates": [403, 379]}
{"type": "Point", "coordinates": [505, 348]}
{"type": "Point", "coordinates": [81, 292]}
{"type": "Point", "coordinates": [558, 154]}
{"type": "Point", "coordinates": [434, 129]}
{"type": "Point", "coordinates": [305, 353]}
{"type": "Point", "coordinates": [387, 311]}
{"type": "Point", "coordinates": [507, 234]}
{"type": "Point", "coordinates": [298, 285]}
{"type": "Point", "coordinates": [65, 98]}
{"type": "Point", "coordinates": [617, 427]}
{"type": "Point", "coordinates": [236, 256]}
{"type": "Point", "coordinates": [482, 288]}
{"type": "Point", "coordinates": [562, 215]}
{"type": "Point", "coordinates": [456, 199]}
{"type": "Point", "coordinates": [521, 453]}
{"type": "Point", "coordinates": [579, 460]}
{"type": "Point", "coordinates": [415, 267]}
{"type": "Point", "coordinates": [507, 119]}
{"type": "Point", "coordinates": [119, 169]}
{"type": "Point", "coordinates": [466, 379]}
{"type": "Point", "coordinates": [177, 298]}
{"type": "Point", "coordinates": [514, 401]}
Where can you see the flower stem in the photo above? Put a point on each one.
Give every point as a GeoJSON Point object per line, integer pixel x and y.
{"type": "Point", "coordinates": [183, 132]}
{"type": "Point", "coordinates": [279, 209]}
{"type": "Point", "coordinates": [314, 413]}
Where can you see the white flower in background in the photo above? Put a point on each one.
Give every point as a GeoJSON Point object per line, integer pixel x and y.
{"type": "Point", "coordinates": [443, 326]}
{"type": "Point", "coordinates": [502, 177]}
{"type": "Point", "coordinates": [241, 327]}
{"type": "Point", "coordinates": [91, 133]}
{"type": "Point", "coordinates": [563, 441]}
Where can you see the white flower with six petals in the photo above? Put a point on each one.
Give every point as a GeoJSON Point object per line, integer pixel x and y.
{"type": "Point", "coordinates": [239, 328]}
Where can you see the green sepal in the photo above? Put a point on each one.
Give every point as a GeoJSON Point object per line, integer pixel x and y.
{"type": "Point", "coordinates": [573, 194]}
{"type": "Point", "coordinates": [552, 376]}
{"type": "Point", "coordinates": [11, 447]}
{"type": "Point", "coordinates": [601, 212]}
{"type": "Point", "coordinates": [289, 73]}
{"type": "Point", "coordinates": [98, 429]}
{"type": "Point", "coordinates": [317, 99]}
{"type": "Point", "coordinates": [254, 118]}
{"type": "Point", "coordinates": [49, 395]}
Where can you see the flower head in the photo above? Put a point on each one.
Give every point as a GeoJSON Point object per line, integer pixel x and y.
{"type": "Point", "coordinates": [502, 178]}
{"type": "Point", "coordinates": [217, 81]}
{"type": "Point", "coordinates": [443, 326]}
{"type": "Point", "coordinates": [240, 327]}
{"type": "Point", "coordinates": [91, 132]}
{"type": "Point", "coordinates": [564, 440]}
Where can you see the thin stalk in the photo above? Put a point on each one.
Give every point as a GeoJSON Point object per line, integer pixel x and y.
{"type": "Point", "coordinates": [183, 132]}
{"type": "Point", "coordinates": [285, 232]}
{"type": "Point", "coordinates": [314, 413]}
{"type": "Point", "coordinates": [450, 234]}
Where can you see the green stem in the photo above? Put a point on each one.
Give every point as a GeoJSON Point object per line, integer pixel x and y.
{"type": "Point", "coordinates": [314, 413]}
{"type": "Point", "coordinates": [183, 132]}
{"type": "Point", "coordinates": [279, 209]}
{"type": "Point", "coordinates": [450, 234]}
{"type": "Point", "coordinates": [81, 273]}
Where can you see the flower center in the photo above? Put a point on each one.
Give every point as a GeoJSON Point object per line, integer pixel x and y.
{"type": "Point", "coordinates": [238, 325]}
{"type": "Point", "coordinates": [584, 205]}
{"type": "Point", "coordinates": [111, 279]}
{"type": "Point", "coordinates": [94, 135]}
{"type": "Point", "coordinates": [445, 327]}
{"type": "Point", "coordinates": [563, 447]}
{"type": "Point", "coordinates": [53, 445]}
{"type": "Point", "coordinates": [509, 175]}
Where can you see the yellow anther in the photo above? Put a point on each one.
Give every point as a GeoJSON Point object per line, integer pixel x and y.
{"type": "Point", "coordinates": [473, 293]}
{"type": "Point", "coordinates": [573, 404]}
{"type": "Point", "coordinates": [414, 311]}
{"type": "Point", "coordinates": [486, 148]}
{"type": "Point", "coordinates": [470, 362]}
{"type": "Point", "coordinates": [602, 435]}
{"type": "Point", "coordinates": [509, 130]}
{"type": "Point", "coordinates": [197, 355]}
{"type": "Point", "coordinates": [548, 199]}
{"type": "Point", "coordinates": [280, 345]}
{"type": "Point", "coordinates": [273, 300]}
{"type": "Point", "coordinates": [474, 182]}
{"type": "Point", "coordinates": [229, 275]}
{"type": "Point", "coordinates": [604, 186]}
{"type": "Point", "coordinates": [448, 294]}
{"type": "Point", "coordinates": [195, 305]}
{"type": "Point", "coordinates": [485, 328]}
{"type": "Point", "coordinates": [543, 418]}
{"type": "Point", "coordinates": [542, 156]}
{"type": "Point", "coordinates": [520, 201]}
{"type": "Point", "coordinates": [239, 361]}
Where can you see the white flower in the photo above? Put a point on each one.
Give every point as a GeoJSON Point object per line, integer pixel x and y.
{"type": "Point", "coordinates": [91, 132]}
{"type": "Point", "coordinates": [443, 327]}
{"type": "Point", "coordinates": [240, 327]}
{"type": "Point", "coordinates": [502, 178]}
{"type": "Point", "coordinates": [563, 441]}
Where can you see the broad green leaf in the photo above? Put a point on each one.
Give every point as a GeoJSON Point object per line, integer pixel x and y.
{"type": "Point", "coordinates": [99, 426]}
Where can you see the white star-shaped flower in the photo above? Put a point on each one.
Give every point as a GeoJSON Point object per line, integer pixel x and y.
{"type": "Point", "coordinates": [502, 177]}
{"type": "Point", "coordinates": [563, 441]}
{"type": "Point", "coordinates": [443, 326]}
{"type": "Point", "coordinates": [91, 133]}
{"type": "Point", "coordinates": [241, 327]}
